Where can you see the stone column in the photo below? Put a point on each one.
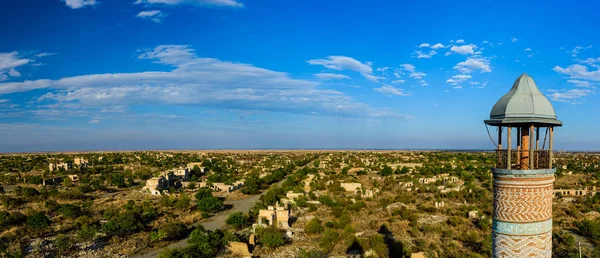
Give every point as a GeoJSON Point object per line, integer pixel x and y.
{"type": "Point", "coordinates": [522, 219]}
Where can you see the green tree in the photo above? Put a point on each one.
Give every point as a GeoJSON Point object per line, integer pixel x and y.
{"type": "Point", "coordinates": [237, 219]}
{"type": "Point", "coordinates": [386, 171]}
{"type": "Point", "coordinates": [204, 243]}
{"type": "Point", "coordinates": [38, 222]}
{"type": "Point", "coordinates": [314, 227]}
{"type": "Point", "coordinates": [210, 204]}
{"type": "Point", "coordinates": [270, 237]}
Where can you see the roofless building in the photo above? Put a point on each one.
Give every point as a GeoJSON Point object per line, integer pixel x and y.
{"type": "Point", "coordinates": [523, 175]}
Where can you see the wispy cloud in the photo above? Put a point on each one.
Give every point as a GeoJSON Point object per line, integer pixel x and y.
{"type": "Point", "coordinates": [330, 76]}
{"type": "Point", "coordinates": [76, 4]}
{"type": "Point", "coordinates": [391, 90]}
{"type": "Point", "coordinates": [571, 96]}
{"type": "Point", "coordinates": [346, 63]}
{"type": "Point", "coordinates": [9, 62]}
{"type": "Point", "coordinates": [199, 81]}
{"type": "Point", "coordinates": [154, 15]}
{"type": "Point", "coordinates": [218, 3]}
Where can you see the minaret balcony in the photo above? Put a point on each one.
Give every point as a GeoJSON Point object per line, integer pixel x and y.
{"type": "Point", "coordinates": [523, 159]}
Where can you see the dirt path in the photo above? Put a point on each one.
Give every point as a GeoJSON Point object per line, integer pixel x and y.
{"type": "Point", "coordinates": [218, 220]}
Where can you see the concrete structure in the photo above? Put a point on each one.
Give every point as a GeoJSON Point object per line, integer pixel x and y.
{"type": "Point", "coordinates": [155, 185]}
{"type": "Point", "coordinates": [55, 166]}
{"type": "Point", "coordinates": [74, 178]}
{"type": "Point", "coordinates": [574, 192]}
{"type": "Point", "coordinates": [473, 214]}
{"type": "Point", "coordinates": [191, 166]}
{"type": "Point", "coordinates": [52, 181]}
{"type": "Point", "coordinates": [80, 162]}
{"type": "Point", "coordinates": [277, 214]}
{"type": "Point", "coordinates": [418, 255]}
{"type": "Point", "coordinates": [523, 177]}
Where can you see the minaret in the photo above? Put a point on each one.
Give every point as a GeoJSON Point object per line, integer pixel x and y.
{"type": "Point", "coordinates": [523, 175]}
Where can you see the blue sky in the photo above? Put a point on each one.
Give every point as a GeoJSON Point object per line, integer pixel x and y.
{"type": "Point", "coordinates": [205, 74]}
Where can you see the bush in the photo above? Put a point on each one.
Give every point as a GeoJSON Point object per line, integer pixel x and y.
{"type": "Point", "coordinates": [270, 237]}
{"type": "Point", "coordinates": [204, 243]}
{"type": "Point", "coordinates": [69, 210]}
{"type": "Point", "coordinates": [62, 243]}
{"type": "Point", "coordinates": [329, 240]}
{"type": "Point", "coordinates": [210, 204]}
{"type": "Point", "coordinates": [168, 232]}
{"type": "Point", "coordinates": [314, 227]}
{"type": "Point", "coordinates": [237, 219]}
{"type": "Point", "coordinates": [38, 222]}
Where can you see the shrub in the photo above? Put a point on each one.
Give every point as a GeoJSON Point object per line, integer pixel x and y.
{"type": "Point", "coordinates": [210, 204]}
{"type": "Point", "coordinates": [69, 210]}
{"type": "Point", "coordinates": [237, 219]}
{"type": "Point", "coordinates": [38, 222]}
{"type": "Point", "coordinates": [329, 240]}
{"type": "Point", "coordinates": [314, 227]}
{"type": "Point", "coordinates": [271, 237]}
{"type": "Point", "coordinates": [62, 243]}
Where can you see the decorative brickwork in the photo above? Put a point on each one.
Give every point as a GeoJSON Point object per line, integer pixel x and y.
{"type": "Point", "coordinates": [522, 246]}
{"type": "Point", "coordinates": [522, 215]}
{"type": "Point", "coordinates": [517, 204]}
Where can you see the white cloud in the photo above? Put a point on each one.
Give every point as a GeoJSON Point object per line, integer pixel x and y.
{"type": "Point", "coordinates": [397, 75]}
{"type": "Point", "coordinates": [408, 67]}
{"type": "Point", "coordinates": [391, 90]}
{"type": "Point", "coordinates": [154, 15]}
{"type": "Point", "coordinates": [459, 41]}
{"type": "Point", "coordinates": [485, 42]}
{"type": "Point", "coordinates": [329, 76]}
{"type": "Point", "coordinates": [438, 46]}
{"type": "Point", "coordinates": [398, 81]}
{"type": "Point", "coordinates": [577, 50]}
{"type": "Point", "coordinates": [464, 49]}
{"type": "Point", "coordinates": [44, 54]}
{"type": "Point", "coordinates": [4, 101]}
{"type": "Point", "coordinates": [514, 39]}
{"type": "Point", "coordinates": [457, 87]}
{"type": "Point", "coordinates": [420, 54]}
{"type": "Point", "coordinates": [456, 79]}
{"type": "Point", "coordinates": [94, 121]}
{"type": "Point", "coordinates": [198, 81]}
{"type": "Point", "coordinates": [9, 62]}
{"type": "Point", "coordinates": [580, 83]}
{"type": "Point", "coordinates": [346, 63]}
{"type": "Point", "coordinates": [383, 69]}
{"type": "Point", "coordinates": [578, 71]}
{"type": "Point", "coordinates": [448, 53]}
{"type": "Point", "coordinates": [473, 64]}
{"type": "Point", "coordinates": [412, 71]}
{"type": "Point", "coordinates": [76, 4]}
{"type": "Point", "coordinates": [594, 62]}
{"type": "Point", "coordinates": [528, 49]}
{"type": "Point", "coordinates": [568, 95]}
{"type": "Point", "coordinates": [424, 45]}
{"type": "Point", "coordinates": [219, 3]}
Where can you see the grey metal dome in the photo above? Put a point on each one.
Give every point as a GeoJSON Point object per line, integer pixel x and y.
{"type": "Point", "coordinates": [523, 104]}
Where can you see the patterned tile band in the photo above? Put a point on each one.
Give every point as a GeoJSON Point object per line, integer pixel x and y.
{"type": "Point", "coordinates": [522, 246]}
{"type": "Point", "coordinates": [520, 229]}
{"type": "Point", "coordinates": [522, 204]}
